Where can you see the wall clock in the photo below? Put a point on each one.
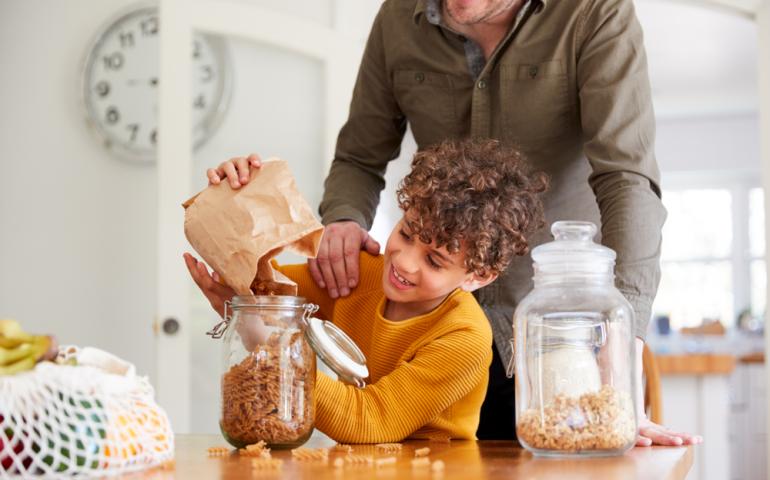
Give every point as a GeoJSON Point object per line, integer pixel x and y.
{"type": "Point", "coordinates": [120, 84]}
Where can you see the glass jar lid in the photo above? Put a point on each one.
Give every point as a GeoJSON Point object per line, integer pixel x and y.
{"type": "Point", "coordinates": [337, 350]}
{"type": "Point", "coordinates": [573, 250]}
{"type": "Point", "coordinates": [332, 345]}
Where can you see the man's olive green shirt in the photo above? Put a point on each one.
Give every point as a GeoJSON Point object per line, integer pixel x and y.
{"type": "Point", "coordinates": [568, 85]}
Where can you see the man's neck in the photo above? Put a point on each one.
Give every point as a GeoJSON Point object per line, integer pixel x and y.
{"type": "Point", "coordinates": [490, 32]}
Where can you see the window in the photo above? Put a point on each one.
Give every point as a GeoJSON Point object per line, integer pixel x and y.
{"type": "Point", "coordinates": [712, 257]}
{"type": "Point", "coordinates": [757, 250]}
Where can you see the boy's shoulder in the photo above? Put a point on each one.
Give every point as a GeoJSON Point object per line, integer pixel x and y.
{"type": "Point", "coordinates": [462, 311]}
{"type": "Point", "coordinates": [370, 272]}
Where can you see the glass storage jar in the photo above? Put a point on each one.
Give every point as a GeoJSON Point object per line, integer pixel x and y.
{"type": "Point", "coordinates": [574, 351]}
{"type": "Point", "coordinates": [270, 368]}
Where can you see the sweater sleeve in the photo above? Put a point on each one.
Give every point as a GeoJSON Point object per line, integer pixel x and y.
{"type": "Point", "coordinates": [441, 373]}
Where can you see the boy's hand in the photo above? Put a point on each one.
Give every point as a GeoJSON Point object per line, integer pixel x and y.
{"type": "Point", "coordinates": [215, 292]}
{"type": "Point", "coordinates": [336, 266]}
{"type": "Point", "coordinates": [653, 434]}
{"type": "Point", "coordinates": [236, 170]}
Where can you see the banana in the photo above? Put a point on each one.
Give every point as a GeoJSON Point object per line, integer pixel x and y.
{"type": "Point", "coordinates": [11, 334]}
{"type": "Point", "coordinates": [12, 355]}
{"type": "Point", "coordinates": [6, 342]}
{"type": "Point", "coordinates": [20, 351]}
{"type": "Point", "coordinates": [25, 356]}
{"type": "Point", "coordinates": [11, 328]}
{"type": "Point", "coordinates": [22, 365]}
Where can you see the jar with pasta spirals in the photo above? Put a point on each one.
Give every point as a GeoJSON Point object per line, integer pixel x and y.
{"type": "Point", "coordinates": [269, 357]}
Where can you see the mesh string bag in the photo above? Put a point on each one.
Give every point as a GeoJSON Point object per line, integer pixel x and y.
{"type": "Point", "coordinates": [96, 418]}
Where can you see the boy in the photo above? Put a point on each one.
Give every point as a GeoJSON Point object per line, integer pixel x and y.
{"type": "Point", "coordinates": [467, 208]}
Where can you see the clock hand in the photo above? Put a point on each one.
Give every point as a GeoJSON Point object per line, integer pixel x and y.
{"type": "Point", "coordinates": [138, 81]}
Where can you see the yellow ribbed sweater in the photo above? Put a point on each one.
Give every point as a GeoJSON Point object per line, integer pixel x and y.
{"type": "Point", "coordinates": [428, 374]}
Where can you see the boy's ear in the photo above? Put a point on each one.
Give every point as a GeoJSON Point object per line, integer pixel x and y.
{"type": "Point", "coordinates": [474, 282]}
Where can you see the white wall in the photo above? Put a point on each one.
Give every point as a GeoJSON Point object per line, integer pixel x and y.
{"type": "Point", "coordinates": [77, 228]}
{"type": "Point", "coordinates": [717, 143]}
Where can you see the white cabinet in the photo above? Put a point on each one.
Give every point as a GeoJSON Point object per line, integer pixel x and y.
{"type": "Point", "coordinates": [747, 433]}
{"type": "Point", "coordinates": [700, 404]}
{"type": "Point", "coordinates": [730, 412]}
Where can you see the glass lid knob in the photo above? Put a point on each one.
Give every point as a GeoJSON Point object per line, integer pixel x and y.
{"type": "Point", "coordinates": [575, 231]}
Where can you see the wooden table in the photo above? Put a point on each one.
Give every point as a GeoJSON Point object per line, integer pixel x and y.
{"type": "Point", "coordinates": [464, 460]}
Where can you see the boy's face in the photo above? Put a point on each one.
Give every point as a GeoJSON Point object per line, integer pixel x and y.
{"type": "Point", "coordinates": [420, 274]}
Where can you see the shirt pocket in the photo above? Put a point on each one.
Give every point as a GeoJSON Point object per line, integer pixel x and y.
{"type": "Point", "coordinates": [535, 101]}
{"type": "Point", "coordinates": [428, 101]}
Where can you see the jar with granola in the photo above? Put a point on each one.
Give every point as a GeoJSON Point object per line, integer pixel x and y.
{"type": "Point", "coordinates": [270, 345]}
{"type": "Point", "coordinates": [574, 351]}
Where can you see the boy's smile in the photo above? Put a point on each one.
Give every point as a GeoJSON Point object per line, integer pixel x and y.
{"type": "Point", "coordinates": [398, 281]}
{"type": "Point", "coordinates": [418, 276]}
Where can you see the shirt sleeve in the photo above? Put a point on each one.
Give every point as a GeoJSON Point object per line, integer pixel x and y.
{"type": "Point", "coordinates": [619, 128]}
{"type": "Point", "coordinates": [370, 138]}
{"type": "Point", "coordinates": [441, 373]}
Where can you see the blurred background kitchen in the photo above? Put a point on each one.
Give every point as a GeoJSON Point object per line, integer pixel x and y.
{"type": "Point", "coordinates": [91, 229]}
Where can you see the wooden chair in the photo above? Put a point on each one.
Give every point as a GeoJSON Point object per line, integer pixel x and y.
{"type": "Point", "coordinates": [653, 402]}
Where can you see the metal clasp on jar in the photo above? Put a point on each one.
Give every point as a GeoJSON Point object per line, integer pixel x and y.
{"type": "Point", "coordinates": [220, 328]}
{"type": "Point", "coordinates": [512, 362]}
{"type": "Point", "coordinates": [310, 309]}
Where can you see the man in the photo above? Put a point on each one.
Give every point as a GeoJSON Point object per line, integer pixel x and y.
{"type": "Point", "coordinates": [564, 81]}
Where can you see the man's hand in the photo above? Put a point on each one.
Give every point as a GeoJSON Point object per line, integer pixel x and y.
{"type": "Point", "coordinates": [336, 266]}
{"type": "Point", "coordinates": [653, 434]}
{"type": "Point", "coordinates": [215, 292]}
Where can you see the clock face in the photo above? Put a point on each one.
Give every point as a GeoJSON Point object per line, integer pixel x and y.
{"type": "Point", "coordinates": [120, 84]}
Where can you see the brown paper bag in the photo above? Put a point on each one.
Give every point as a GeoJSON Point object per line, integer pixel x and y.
{"type": "Point", "coordinates": [237, 232]}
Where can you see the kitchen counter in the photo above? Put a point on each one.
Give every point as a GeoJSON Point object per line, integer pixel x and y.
{"type": "Point", "coordinates": [463, 460]}
{"type": "Point", "coordinates": [696, 364]}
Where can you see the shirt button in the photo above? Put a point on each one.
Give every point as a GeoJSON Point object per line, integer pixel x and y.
{"type": "Point", "coordinates": [482, 84]}
{"type": "Point", "coordinates": [420, 77]}
{"type": "Point", "coordinates": [533, 71]}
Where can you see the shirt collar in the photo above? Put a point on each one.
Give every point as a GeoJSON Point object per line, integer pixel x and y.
{"type": "Point", "coordinates": [432, 10]}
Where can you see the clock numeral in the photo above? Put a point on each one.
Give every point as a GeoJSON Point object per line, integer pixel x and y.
{"type": "Point", "coordinates": [149, 26]}
{"type": "Point", "coordinates": [200, 102]}
{"type": "Point", "coordinates": [126, 39]}
{"type": "Point", "coordinates": [112, 116]}
{"type": "Point", "coordinates": [102, 88]}
{"type": "Point", "coordinates": [154, 137]}
{"type": "Point", "coordinates": [134, 128]}
{"type": "Point", "coordinates": [196, 49]}
{"type": "Point", "coordinates": [114, 61]}
{"type": "Point", "coordinates": [208, 73]}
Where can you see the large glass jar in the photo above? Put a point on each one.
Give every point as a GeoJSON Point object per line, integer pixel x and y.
{"type": "Point", "coordinates": [574, 351]}
{"type": "Point", "coordinates": [269, 358]}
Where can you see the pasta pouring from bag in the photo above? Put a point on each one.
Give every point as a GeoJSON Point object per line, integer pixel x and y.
{"type": "Point", "coordinates": [237, 232]}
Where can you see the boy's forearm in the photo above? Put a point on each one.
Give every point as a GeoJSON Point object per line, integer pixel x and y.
{"type": "Point", "coordinates": [408, 398]}
{"type": "Point", "coordinates": [344, 415]}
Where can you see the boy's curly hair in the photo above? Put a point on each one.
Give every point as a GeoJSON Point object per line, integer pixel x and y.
{"type": "Point", "coordinates": [475, 193]}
